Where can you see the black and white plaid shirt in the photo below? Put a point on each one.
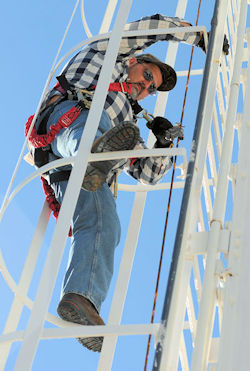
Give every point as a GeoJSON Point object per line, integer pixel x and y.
{"type": "Point", "coordinates": [83, 71]}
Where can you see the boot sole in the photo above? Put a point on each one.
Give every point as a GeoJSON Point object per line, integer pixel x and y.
{"type": "Point", "coordinates": [68, 313]}
{"type": "Point", "coordinates": [120, 138]}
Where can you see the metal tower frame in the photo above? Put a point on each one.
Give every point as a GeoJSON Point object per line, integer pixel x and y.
{"type": "Point", "coordinates": [208, 279]}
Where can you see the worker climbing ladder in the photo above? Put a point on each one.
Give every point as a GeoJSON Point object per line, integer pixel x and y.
{"type": "Point", "coordinates": [204, 322]}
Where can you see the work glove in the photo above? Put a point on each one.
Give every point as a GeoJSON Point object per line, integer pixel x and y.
{"type": "Point", "coordinates": [165, 132]}
{"type": "Point", "coordinates": [225, 47]}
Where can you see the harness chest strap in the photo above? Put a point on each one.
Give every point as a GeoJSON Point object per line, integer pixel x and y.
{"type": "Point", "coordinates": [64, 86]}
{"type": "Point", "coordinates": [124, 87]}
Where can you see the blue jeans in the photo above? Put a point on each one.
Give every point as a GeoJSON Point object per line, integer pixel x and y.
{"type": "Point", "coordinates": [95, 224]}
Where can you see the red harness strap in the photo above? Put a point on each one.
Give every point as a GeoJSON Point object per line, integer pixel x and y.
{"type": "Point", "coordinates": [124, 87]}
{"type": "Point", "coordinates": [113, 86]}
{"type": "Point", "coordinates": [64, 121]}
{"type": "Point", "coordinates": [52, 201]}
{"type": "Point", "coordinates": [42, 140]}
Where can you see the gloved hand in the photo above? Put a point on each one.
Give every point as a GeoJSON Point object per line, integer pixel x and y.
{"type": "Point", "coordinates": [165, 132]}
{"type": "Point", "coordinates": [225, 47]}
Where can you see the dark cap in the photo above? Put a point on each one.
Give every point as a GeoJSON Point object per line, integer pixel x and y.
{"type": "Point", "coordinates": [169, 77]}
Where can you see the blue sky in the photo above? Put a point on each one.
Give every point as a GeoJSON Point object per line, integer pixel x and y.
{"type": "Point", "coordinates": [31, 33]}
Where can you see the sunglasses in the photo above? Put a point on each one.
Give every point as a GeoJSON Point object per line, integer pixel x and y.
{"type": "Point", "coordinates": [148, 76]}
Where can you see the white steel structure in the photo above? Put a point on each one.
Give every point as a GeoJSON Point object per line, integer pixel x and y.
{"type": "Point", "coordinates": [209, 278]}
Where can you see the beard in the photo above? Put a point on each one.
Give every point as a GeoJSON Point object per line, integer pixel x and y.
{"type": "Point", "coordinates": [137, 89]}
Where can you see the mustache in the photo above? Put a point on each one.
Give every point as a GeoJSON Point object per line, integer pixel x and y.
{"type": "Point", "coordinates": [140, 85]}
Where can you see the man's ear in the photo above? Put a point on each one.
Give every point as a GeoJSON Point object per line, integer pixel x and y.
{"type": "Point", "coordinates": [132, 61]}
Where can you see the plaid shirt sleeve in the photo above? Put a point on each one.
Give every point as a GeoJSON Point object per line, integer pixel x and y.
{"type": "Point", "coordinates": [148, 170]}
{"type": "Point", "coordinates": [136, 44]}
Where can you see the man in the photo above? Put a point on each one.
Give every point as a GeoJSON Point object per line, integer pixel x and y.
{"type": "Point", "coordinates": [95, 225]}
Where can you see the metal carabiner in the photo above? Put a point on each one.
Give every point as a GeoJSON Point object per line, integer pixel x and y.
{"type": "Point", "coordinates": [147, 116]}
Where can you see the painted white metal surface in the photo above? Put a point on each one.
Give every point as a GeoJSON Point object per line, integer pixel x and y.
{"type": "Point", "coordinates": [207, 305]}
{"type": "Point", "coordinates": [107, 354]}
{"type": "Point", "coordinates": [41, 304]}
{"type": "Point", "coordinates": [177, 309]}
{"type": "Point", "coordinates": [199, 286]}
{"type": "Point", "coordinates": [235, 337]}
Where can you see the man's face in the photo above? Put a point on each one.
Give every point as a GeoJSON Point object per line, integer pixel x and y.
{"type": "Point", "coordinates": [136, 76]}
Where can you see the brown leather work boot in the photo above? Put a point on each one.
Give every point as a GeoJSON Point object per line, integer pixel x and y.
{"type": "Point", "coordinates": [76, 308]}
{"type": "Point", "coordinates": [120, 138]}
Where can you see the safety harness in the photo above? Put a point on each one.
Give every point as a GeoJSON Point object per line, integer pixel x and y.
{"type": "Point", "coordinates": [40, 139]}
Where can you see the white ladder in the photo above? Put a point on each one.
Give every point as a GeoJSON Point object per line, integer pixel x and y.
{"type": "Point", "coordinates": [206, 289]}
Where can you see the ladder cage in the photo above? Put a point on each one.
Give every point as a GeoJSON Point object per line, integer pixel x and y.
{"type": "Point", "coordinates": [193, 322]}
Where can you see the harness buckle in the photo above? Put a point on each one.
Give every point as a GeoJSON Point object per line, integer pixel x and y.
{"type": "Point", "coordinates": [84, 96]}
{"type": "Point", "coordinates": [145, 115]}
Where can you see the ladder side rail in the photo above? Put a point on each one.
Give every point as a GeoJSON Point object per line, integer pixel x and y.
{"type": "Point", "coordinates": [25, 280]}
{"type": "Point", "coordinates": [206, 310]}
{"type": "Point", "coordinates": [164, 356]}
{"type": "Point", "coordinates": [48, 278]}
{"type": "Point", "coordinates": [115, 316]}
